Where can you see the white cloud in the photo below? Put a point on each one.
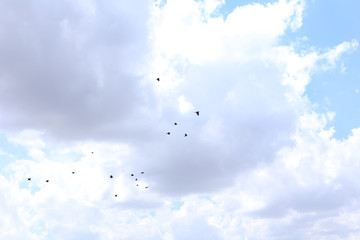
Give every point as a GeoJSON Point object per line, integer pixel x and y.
{"type": "Point", "coordinates": [258, 162]}
{"type": "Point", "coordinates": [73, 69]}
{"type": "Point", "coordinates": [333, 55]}
{"type": "Point", "coordinates": [184, 106]}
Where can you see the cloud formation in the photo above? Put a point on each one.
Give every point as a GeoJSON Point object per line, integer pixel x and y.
{"type": "Point", "coordinates": [73, 69]}
{"type": "Point", "coordinates": [258, 162]}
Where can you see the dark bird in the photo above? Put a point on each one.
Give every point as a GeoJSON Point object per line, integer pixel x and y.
{"type": "Point", "coordinates": [142, 172]}
{"type": "Point", "coordinates": [135, 179]}
{"type": "Point", "coordinates": [132, 175]}
{"type": "Point", "coordinates": [137, 185]}
{"type": "Point", "coordinates": [158, 79]}
{"type": "Point", "coordinates": [147, 187]}
{"type": "Point", "coordinates": [185, 135]}
{"type": "Point", "coordinates": [92, 152]}
{"type": "Point", "coordinates": [47, 180]}
{"type": "Point", "coordinates": [72, 172]}
{"type": "Point", "coordinates": [168, 133]}
{"type": "Point", "coordinates": [115, 195]}
{"type": "Point", "coordinates": [29, 179]}
{"type": "Point", "coordinates": [175, 124]}
{"type": "Point", "coordinates": [111, 176]}
{"type": "Point", "coordinates": [197, 113]}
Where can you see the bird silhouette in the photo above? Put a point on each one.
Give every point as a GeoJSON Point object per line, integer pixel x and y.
{"type": "Point", "coordinates": [132, 175]}
{"type": "Point", "coordinates": [115, 195]}
{"type": "Point", "coordinates": [197, 113]}
{"type": "Point", "coordinates": [158, 79]}
{"type": "Point", "coordinates": [92, 152]}
{"type": "Point", "coordinates": [135, 179]}
{"type": "Point", "coordinates": [137, 185]}
{"type": "Point", "coordinates": [72, 172]}
{"type": "Point", "coordinates": [29, 179]}
{"type": "Point", "coordinates": [47, 180]}
{"type": "Point", "coordinates": [146, 187]}
{"type": "Point", "coordinates": [142, 172]}
{"type": "Point", "coordinates": [111, 176]}
{"type": "Point", "coordinates": [185, 135]}
{"type": "Point", "coordinates": [175, 124]}
{"type": "Point", "coordinates": [168, 133]}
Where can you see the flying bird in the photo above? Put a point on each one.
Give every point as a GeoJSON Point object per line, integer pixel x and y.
{"type": "Point", "coordinates": [142, 172]}
{"type": "Point", "coordinates": [197, 113]}
{"type": "Point", "coordinates": [135, 179]}
{"type": "Point", "coordinates": [47, 180]}
{"type": "Point", "coordinates": [29, 179]}
{"type": "Point", "coordinates": [175, 124]}
{"type": "Point", "coordinates": [72, 172]}
{"type": "Point", "coordinates": [137, 185]}
{"type": "Point", "coordinates": [132, 175]}
{"type": "Point", "coordinates": [158, 79]}
{"type": "Point", "coordinates": [111, 176]}
{"type": "Point", "coordinates": [168, 133]}
{"type": "Point", "coordinates": [185, 135]}
{"type": "Point", "coordinates": [92, 152]}
{"type": "Point", "coordinates": [115, 195]}
{"type": "Point", "coordinates": [147, 187]}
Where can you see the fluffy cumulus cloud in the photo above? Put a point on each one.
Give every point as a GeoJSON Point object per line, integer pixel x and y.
{"type": "Point", "coordinates": [73, 69]}
{"type": "Point", "coordinates": [78, 94]}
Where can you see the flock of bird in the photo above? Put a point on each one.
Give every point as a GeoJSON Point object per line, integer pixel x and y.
{"type": "Point", "coordinates": [197, 113]}
{"type": "Point", "coordinates": [111, 176]}
{"type": "Point", "coordinates": [132, 174]}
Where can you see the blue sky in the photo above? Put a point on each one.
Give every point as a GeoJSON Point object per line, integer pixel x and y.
{"type": "Point", "coordinates": [326, 23]}
{"type": "Point", "coordinates": [78, 93]}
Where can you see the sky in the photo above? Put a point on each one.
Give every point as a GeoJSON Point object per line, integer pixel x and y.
{"type": "Point", "coordinates": [273, 153]}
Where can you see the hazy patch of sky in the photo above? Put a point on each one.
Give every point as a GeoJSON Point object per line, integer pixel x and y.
{"type": "Point", "coordinates": [230, 5]}
{"type": "Point", "coordinates": [161, 3]}
{"type": "Point", "coordinates": [177, 204]}
{"type": "Point", "coordinates": [6, 147]}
